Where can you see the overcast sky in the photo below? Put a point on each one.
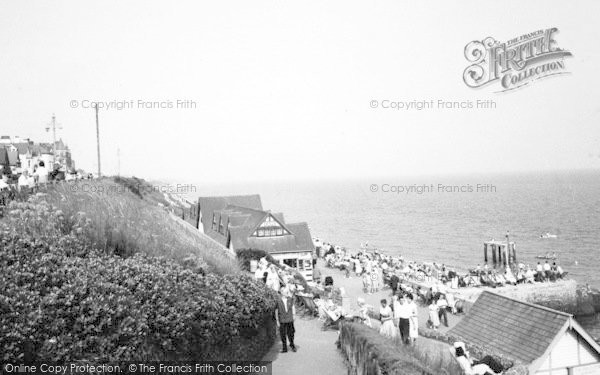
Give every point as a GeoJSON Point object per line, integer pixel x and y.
{"type": "Point", "coordinates": [283, 89]}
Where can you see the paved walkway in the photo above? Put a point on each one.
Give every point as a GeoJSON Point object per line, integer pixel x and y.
{"type": "Point", "coordinates": [317, 352]}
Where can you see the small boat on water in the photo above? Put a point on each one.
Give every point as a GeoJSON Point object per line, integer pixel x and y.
{"type": "Point", "coordinates": [548, 235]}
{"type": "Point", "coordinates": [547, 256]}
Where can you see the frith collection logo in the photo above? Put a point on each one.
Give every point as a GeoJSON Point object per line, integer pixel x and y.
{"type": "Point", "coordinates": [515, 63]}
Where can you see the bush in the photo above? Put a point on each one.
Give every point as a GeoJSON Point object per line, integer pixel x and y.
{"type": "Point", "coordinates": [63, 300]}
{"type": "Point", "coordinates": [368, 352]}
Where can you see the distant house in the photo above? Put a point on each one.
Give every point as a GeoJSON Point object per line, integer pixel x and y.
{"type": "Point", "coordinates": [239, 222]}
{"type": "Point", "coordinates": [13, 157]}
{"type": "Point", "coordinates": [547, 341]}
{"type": "Point", "coordinates": [4, 162]}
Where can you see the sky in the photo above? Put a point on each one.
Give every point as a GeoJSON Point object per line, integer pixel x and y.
{"type": "Point", "coordinates": [284, 90]}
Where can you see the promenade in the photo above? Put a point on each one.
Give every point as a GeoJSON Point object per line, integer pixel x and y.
{"type": "Point", "coordinates": [317, 351]}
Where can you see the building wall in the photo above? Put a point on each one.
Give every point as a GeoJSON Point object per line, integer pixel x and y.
{"type": "Point", "coordinates": [570, 351]}
{"type": "Point", "coordinates": [305, 256]}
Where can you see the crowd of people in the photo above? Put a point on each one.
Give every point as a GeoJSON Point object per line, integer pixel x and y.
{"type": "Point", "coordinates": [21, 182]}
{"type": "Point", "coordinates": [377, 269]}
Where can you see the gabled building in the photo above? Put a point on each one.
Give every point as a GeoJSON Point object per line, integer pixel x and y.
{"type": "Point", "coordinates": [239, 222]}
{"type": "Point", "coordinates": [547, 341]}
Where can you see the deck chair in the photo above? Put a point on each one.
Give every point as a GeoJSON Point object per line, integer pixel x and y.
{"type": "Point", "coordinates": [466, 366]}
{"type": "Point", "coordinates": [310, 306]}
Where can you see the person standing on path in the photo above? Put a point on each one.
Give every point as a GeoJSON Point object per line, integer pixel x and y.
{"type": "Point", "coordinates": [414, 319]}
{"type": "Point", "coordinates": [442, 304]}
{"type": "Point", "coordinates": [404, 315]}
{"type": "Point", "coordinates": [285, 314]}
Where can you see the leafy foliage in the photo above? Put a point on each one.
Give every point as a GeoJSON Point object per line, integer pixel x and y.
{"type": "Point", "coordinates": [62, 299]}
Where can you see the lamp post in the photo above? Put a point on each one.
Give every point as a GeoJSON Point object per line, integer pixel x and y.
{"type": "Point", "coordinates": [53, 125]}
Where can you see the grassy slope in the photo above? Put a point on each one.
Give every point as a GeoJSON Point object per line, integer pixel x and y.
{"type": "Point", "coordinates": [128, 221]}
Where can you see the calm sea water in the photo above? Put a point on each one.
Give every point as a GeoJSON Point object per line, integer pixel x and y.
{"type": "Point", "coordinates": [450, 227]}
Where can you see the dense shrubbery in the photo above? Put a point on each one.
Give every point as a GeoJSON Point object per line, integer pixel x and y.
{"type": "Point", "coordinates": [63, 300]}
{"type": "Point", "coordinates": [368, 352]}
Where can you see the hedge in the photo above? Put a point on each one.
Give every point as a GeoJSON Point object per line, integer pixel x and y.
{"type": "Point", "coordinates": [63, 300]}
{"type": "Point", "coordinates": [367, 352]}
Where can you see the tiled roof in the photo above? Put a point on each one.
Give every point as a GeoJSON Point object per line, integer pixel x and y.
{"type": "Point", "coordinates": [23, 148]}
{"type": "Point", "coordinates": [3, 156]}
{"type": "Point", "coordinates": [517, 329]}
{"type": "Point", "coordinates": [298, 240]}
{"type": "Point", "coordinates": [208, 205]}
{"type": "Point", "coordinates": [242, 215]}
{"type": "Point", "coordinates": [13, 157]}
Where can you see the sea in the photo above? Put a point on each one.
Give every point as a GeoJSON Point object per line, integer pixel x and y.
{"type": "Point", "coordinates": [446, 219]}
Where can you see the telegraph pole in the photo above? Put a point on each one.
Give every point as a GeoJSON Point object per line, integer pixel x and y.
{"type": "Point", "coordinates": [53, 125]}
{"type": "Point", "coordinates": [98, 140]}
{"type": "Point", "coordinates": [118, 161]}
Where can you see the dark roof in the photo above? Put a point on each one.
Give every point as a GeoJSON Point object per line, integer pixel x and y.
{"type": "Point", "coordinates": [3, 156]}
{"type": "Point", "coordinates": [517, 329]}
{"type": "Point", "coordinates": [241, 221]}
{"type": "Point", "coordinates": [298, 240]}
{"type": "Point", "coordinates": [13, 157]}
{"type": "Point", "coordinates": [208, 205]}
{"type": "Point", "coordinates": [22, 148]}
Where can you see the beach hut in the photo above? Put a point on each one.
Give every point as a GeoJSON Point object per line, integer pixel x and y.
{"type": "Point", "coordinates": [547, 341]}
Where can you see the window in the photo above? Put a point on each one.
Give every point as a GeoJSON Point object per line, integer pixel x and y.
{"type": "Point", "coordinates": [291, 262]}
{"type": "Point", "coordinates": [270, 228]}
{"type": "Point", "coordinates": [214, 222]}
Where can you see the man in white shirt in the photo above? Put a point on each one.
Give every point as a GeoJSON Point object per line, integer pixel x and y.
{"type": "Point", "coordinates": [3, 185]}
{"type": "Point", "coordinates": [539, 272]}
{"type": "Point", "coordinates": [404, 313]}
{"type": "Point", "coordinates": [42, 174]}
{"type": "Point", "coordinates": [547, 270]}
{"type": "Point", "coordinates": [23, 182]}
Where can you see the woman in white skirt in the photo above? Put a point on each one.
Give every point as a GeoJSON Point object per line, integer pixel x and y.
{"type": "Point", "coordinates": [387, 321]}
{"type": "Point", "coordinates": [433, 314]}
{"type": "Point", "coordinates": [413, 332]}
